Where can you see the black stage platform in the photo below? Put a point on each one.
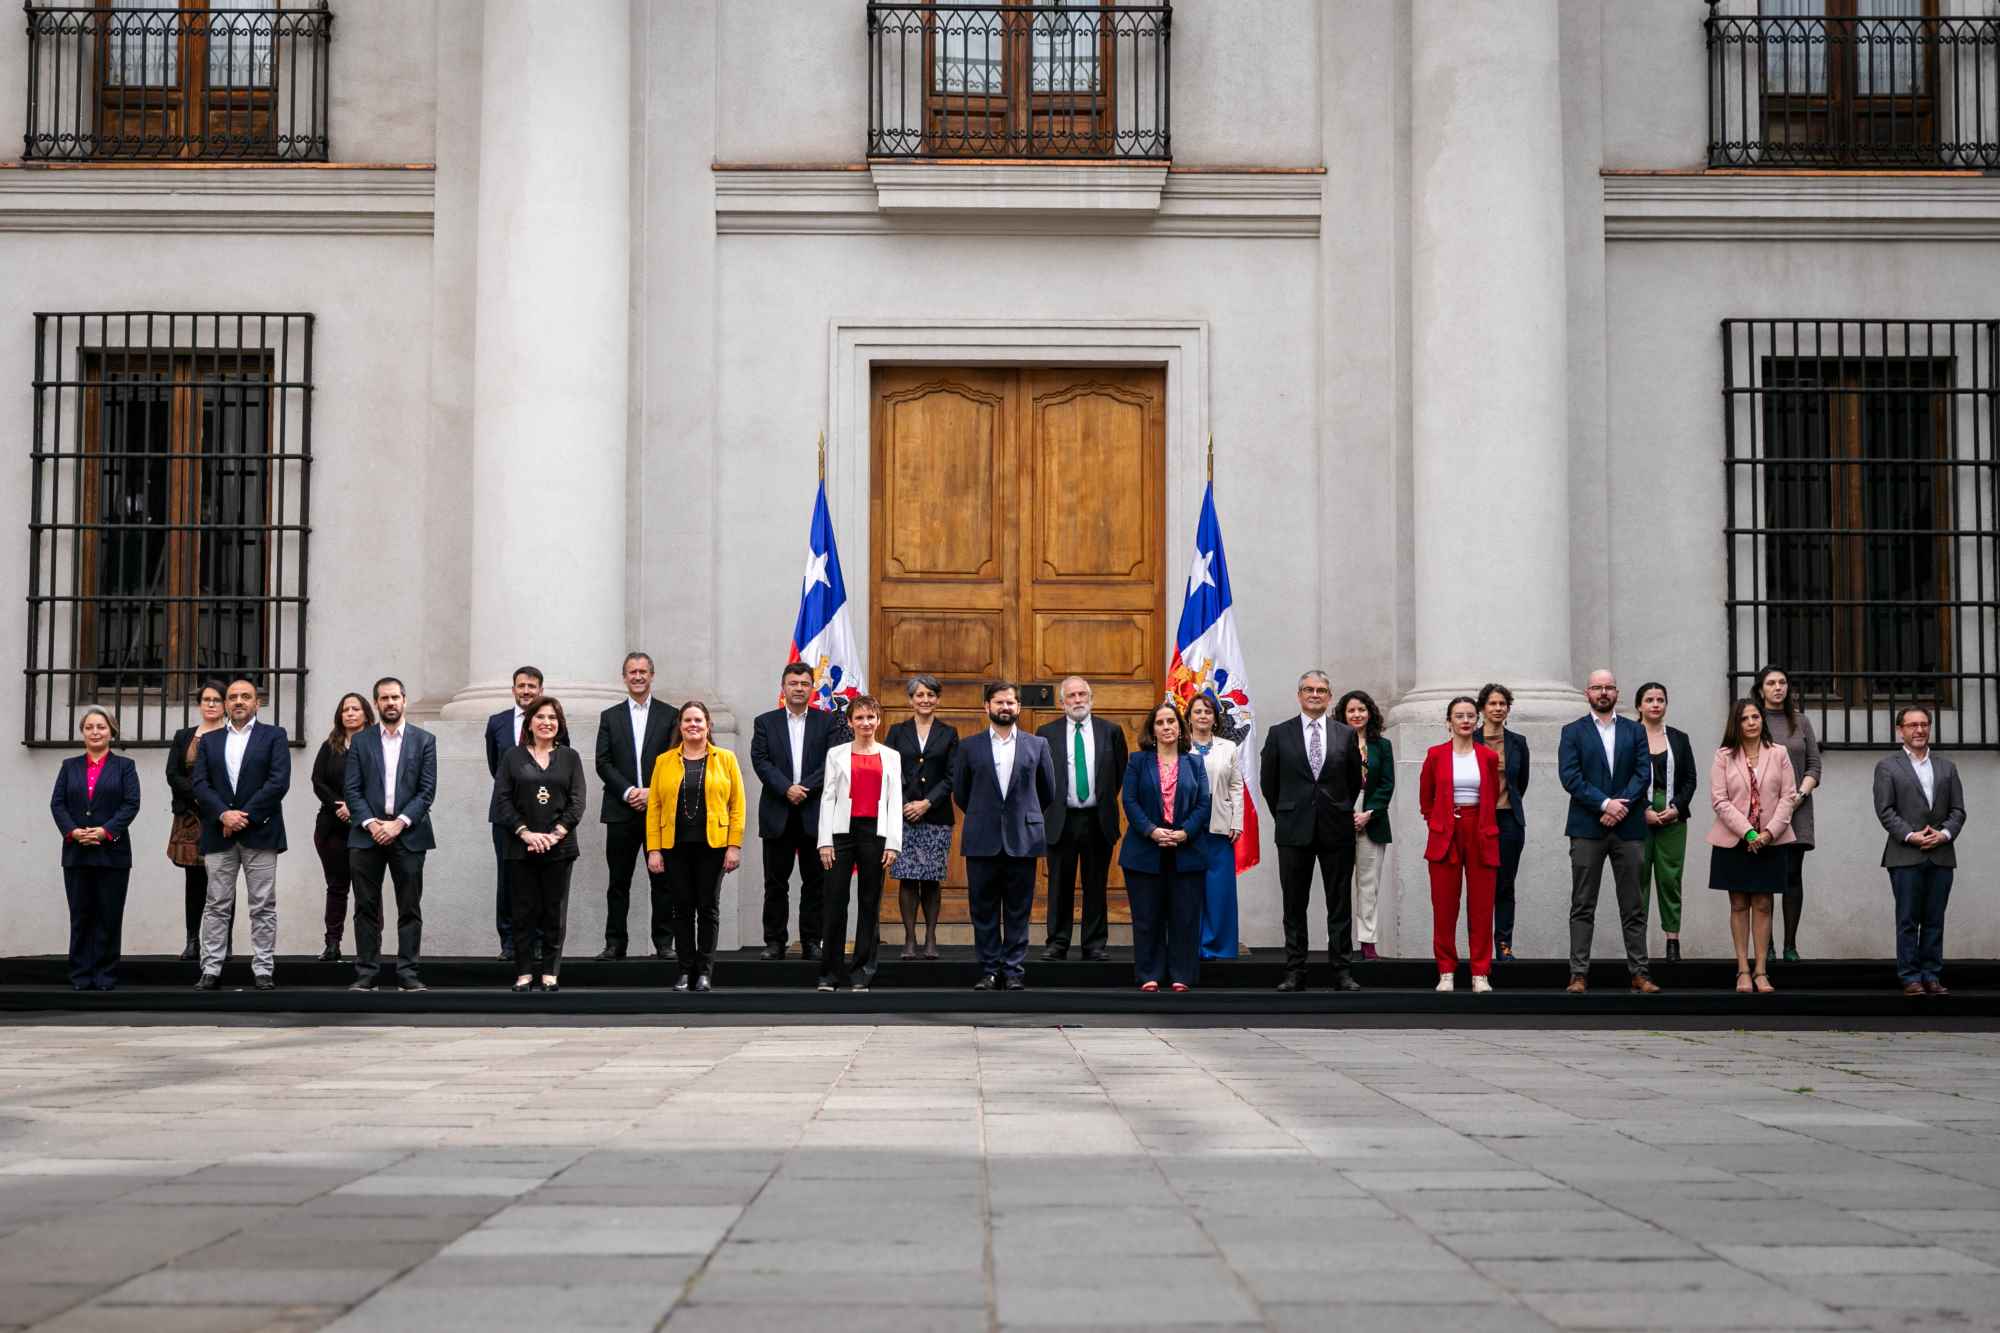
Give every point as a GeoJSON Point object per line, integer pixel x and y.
{"type": "Point", "coordinates": [1237, 992]}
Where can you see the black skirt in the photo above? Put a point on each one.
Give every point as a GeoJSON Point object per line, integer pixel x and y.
{"type": "Point", "coordinates": [1739, 870]}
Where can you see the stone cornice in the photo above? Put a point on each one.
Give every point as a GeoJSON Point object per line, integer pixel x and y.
{"type": "Point", "coordinates": [993, 200]}
{"type": "Point", "coordinates": [1751, 207]}
{"type": "Point", "coordinates": [239, 201]}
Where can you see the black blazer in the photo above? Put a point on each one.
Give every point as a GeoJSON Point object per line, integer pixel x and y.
{"type": "Point", "coordinates": [264, 779]}
{"type": "Point", "coordinates": [997, 826]}
{"type": "Point", "coordinates": [1109, 742]}
{"type": "Point", "coordinates": [180, 774]}
{"type": "Point", "coordinates": [618, 769]}
{"type": "Point", "coordinates": [329, 782]}
{"type": "Point", "coordinates": [926, 772]}
{"type": "Point", "coordinates": [771, 757]}
{"type": "Point", "coordinates": [1285, 780]}
{"type": "Point", "coordinates": [1684, 776]}
{"type": "Point", "coordinates": [416, 786]}
{"type": "Point", "coordinates": [1513, 766]}
{"type": "Point", "coordinates": [113, 808]}
{"type": "Point", "coordinates": [499, 740]}
{"type": "Point", "coordinates": [519, 789]}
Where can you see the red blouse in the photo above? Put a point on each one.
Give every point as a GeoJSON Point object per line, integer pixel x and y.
{"type": "Point", "coordinates": [865, 793]}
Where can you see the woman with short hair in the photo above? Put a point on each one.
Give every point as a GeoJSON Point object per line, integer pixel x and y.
{"type": "Point", "coordinates": [1458, 792]}
{"type": "Point", "coordinates": [1496, 703]}
{"type": "Point", "coordinates": [95, 800]}
{"type": "Point", "coordinates": [860, 834]}
{"type": "Point", "coordinates": [926, 747]}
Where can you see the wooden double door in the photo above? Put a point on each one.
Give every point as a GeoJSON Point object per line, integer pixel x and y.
{"type": "Point", "coordinates": [1017, 531]}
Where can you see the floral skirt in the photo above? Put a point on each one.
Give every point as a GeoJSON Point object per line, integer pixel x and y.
{"type": "Point", "coordinates": [926, 848]}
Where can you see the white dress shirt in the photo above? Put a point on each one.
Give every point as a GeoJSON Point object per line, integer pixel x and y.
{"type": "Point", "coordinates": [1089, 763]}
{"type": "Point", "coordinates": [1003, 759]}
{"type": "Point", "coordinates": [234, 744]}
{"type": "Point", "coordinates": [1925, 779]}
{"type": "Point", "coordinates": [795, 727]}
{"type": "Point", "coordinates": [392, 759]}
{"type": "Point", "coordinates": [520, 720]}
{"type": "Point", "coordinates": [637, 713]}
{"type": "Point", "coordinates": [1609, 736]}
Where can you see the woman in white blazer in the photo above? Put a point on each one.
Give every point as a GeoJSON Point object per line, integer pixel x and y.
{"type": "Point", "coordinates": [1216, 848]}
{"type": "Point", "coordinates": [860, 835]}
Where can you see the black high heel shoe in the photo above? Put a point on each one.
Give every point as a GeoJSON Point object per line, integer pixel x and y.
{"type": "Point", "coordinates": [523, 987]}
{"type": "Point", "coordinates": [551, 987]}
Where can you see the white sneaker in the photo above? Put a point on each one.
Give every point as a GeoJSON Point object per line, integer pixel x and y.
{"type": "Point", "coordinates": [1447, 981]}
{"type": "Point", "coordinates": [1482, 986]}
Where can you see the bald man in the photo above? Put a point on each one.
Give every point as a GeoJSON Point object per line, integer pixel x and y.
{"type": "Point", "coordinates": [1604, 766]}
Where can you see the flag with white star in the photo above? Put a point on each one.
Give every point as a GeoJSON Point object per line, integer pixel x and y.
{"type": "Point", "coordinates": [1208, 660]}
{"type": "Point", "coordinates": [823, 634]}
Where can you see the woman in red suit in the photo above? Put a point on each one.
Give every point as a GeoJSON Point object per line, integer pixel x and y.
{"type": "Point", "coordinates": [1458, 793]}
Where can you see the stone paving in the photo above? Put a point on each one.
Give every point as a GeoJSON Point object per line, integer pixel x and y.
{"type": "Point", "coordinates": [368, 1179]}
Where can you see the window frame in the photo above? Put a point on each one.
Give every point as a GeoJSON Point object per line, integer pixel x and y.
{"type": "Point", "coordinates": [1011, 119]}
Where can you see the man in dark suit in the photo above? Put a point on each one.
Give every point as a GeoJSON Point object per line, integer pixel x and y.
{"type": "Point", "coordinates": [240, 778]}
{"type": "Point", "coordinates": [390, 784]}
{"type": "Point", "coordinates": [1003, 779]}
{"type": "Point", "coordinates": [1603, 764]}
{"type": "Point", "coordinates": [1310, 776]}
{"type": "Point", "coordinates": [1082, 822]}
{"type": "Point", "coordinates": [1921, 804]}
{"type": "Point", "coordinates": [630, 736]}
{"type": "Point", "coordinates": [503, 733]}
{"type": "Point", "coordinates": [788, 749]}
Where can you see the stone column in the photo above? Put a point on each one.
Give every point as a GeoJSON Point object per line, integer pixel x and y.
{"type": "Point", "coordinates": [1488, 351]}
{"type": "Point", "coordinates": [551, 367]}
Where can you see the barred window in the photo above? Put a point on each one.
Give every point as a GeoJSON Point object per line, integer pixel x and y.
{"type": "Point", "coordinates": [1862, 521]}
{"type": "Point", "coordinates": [167, 515]}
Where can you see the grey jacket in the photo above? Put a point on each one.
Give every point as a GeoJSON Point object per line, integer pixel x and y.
{"type": "Point", "coordinates": [1900, 805]}
{"type": "Point", "coordinates": [1802, 745]}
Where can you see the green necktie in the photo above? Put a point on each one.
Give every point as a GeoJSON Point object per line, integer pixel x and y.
{"type": "Point", "coordinates": [1082, 766]}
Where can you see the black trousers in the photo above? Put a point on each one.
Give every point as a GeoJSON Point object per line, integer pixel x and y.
{"type": "Point", "coordinates": [331, 845]}
{"type": "Point", "coordinates": [693, 878]}
{"type": "Point", "coordinates": [793, 846]}
{"type": "Point", "coordinates": [857, 859]}
{"type": "Point", "coordinates": [999, 895]}
{"type": "Point", "coordinates": [624, 844]}
{"type": "Point", "coordinates": [1332, 850]}
{"type": "Point", "coordinates": [406, 872]}
{"type": "Point", "coordinates": [1166, 918]}
{"type": "Point", "coordinates": [540, 886]}
{"type": "Point", "coordinates": [96, 922]}
{"type": "Point", "coordinates": [1513, 839]}
{"type": "Point", "coordinates": [1084, 847]}
{"type": "Point", "coordinates": [194, 895]}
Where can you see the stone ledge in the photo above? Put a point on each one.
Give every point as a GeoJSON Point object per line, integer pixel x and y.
{"type": "Point", "coordinates": [1741, 207]}
{"type": "Point", "coordinates": [240, 201]}
{"type": "Point", "coordinates": [969, 187]}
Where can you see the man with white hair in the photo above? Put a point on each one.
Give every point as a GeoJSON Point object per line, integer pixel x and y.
{"type": "Point", "coordinates": [1082, 822]}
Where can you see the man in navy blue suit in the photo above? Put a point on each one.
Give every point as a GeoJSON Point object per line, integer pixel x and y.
{"type": "Point", "coordinates": [390, 784]}
{"type": "Point", "coordinates": [1603, 763]}
{"type": "Point", "coordinates": [503, 733]}
{"type": "Point", "coordinates": [788, 748]}
{"type": "Point", "coordinates": [240, 778]}
{"type": "Point", "coordinates": [1002, 778]}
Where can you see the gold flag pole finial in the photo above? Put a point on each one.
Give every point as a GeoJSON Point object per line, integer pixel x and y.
{"type": "Point", "coordinates": [822, 455]}
{"type": "Point", "coordinates": [1211, 457]}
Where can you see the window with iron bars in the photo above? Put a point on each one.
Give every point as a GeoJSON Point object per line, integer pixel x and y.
{"type": "Point", "coordinates": [168, 534]}
{"type": "Point", "coordinates": [1862, 517]}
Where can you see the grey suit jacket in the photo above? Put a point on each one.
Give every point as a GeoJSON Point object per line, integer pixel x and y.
{"type": "Point", "coordinates": [1900, 805]}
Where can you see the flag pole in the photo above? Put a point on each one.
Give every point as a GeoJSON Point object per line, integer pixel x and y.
{"type": "Point", "coordinates": [1211, 458]}
{"type": "Point", "coordinates": [822, 455]}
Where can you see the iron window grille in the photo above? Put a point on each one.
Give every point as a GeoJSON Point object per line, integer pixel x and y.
{"type": "Point", "coordinates": [1060, 79]}
{"type": "Point", "coordinates": [171, 464]}
{"type": "Point", "coordinates": [1852, 83]}
{"type": "Point", "coordinates": [1862, 517]}
{"type": "Point", "coordinates": [171, 79]}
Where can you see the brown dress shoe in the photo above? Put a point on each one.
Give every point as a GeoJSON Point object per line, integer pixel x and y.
{"type": "Point", "coordinates": [1914, 988]}
{"type": "Point", "coordinates": [1935, 988]}
{"type": "Point", "coordinates": [1576, 986]}
{"type": "Point", "coordinates": [1645, 986]}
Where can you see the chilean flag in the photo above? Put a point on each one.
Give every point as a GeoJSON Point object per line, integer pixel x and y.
{"type": "Point", "coordinates": [823, 635]}
{"type": "Point", "coordinates": [1209, 660]}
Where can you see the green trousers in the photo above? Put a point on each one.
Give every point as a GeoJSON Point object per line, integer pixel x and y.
{"type": "Point", "coordinates": [1661, 864]}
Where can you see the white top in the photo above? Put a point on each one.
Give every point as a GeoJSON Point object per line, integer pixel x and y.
{"type": "Point", "coordinates": [795, 727]}
{"type": "Point", "coordinates": [234, 744]}
{"type": "Point", "coordinates": [1003, 759]}
{"type": "Point", "coordinates": [636, 714]}
{"type": "Point", "coordinates": [520, 720]}
{"type": "Point", "coordinates": [392, 757]}
{"type": "Point", "coordinates": [1464, 778]}
{"type": "Point", "coordinates": [1089, 762]}
{"type": "Point", "coordinates": [1225, 787]}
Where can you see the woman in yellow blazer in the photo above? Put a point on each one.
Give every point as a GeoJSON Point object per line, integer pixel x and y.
{"type": "Point", "coordinates": [694, 836]}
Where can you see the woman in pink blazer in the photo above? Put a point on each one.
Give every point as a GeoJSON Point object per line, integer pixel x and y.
{"type": "Point", "coordinates": [1754, 792]}
{"type": "Point", "coordinates": [1458, 791]}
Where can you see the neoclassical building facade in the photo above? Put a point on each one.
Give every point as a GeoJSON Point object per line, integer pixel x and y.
{"type": "Point", "coordinates": [1532, 336]}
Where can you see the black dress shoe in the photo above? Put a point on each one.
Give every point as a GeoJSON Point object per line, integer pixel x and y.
{"type": "Point", "coordinates": [1055, 953]}
{"type": "Point", "coordinates": [266, 983]}
{"type": "Point", "coordinates": [414, 984]}
{"type": "Point", "coordinates": [610, 953]}
{"type": "Point", "coordinates": [1017, 983]}
{"type": "Point", "coordinates": [1096, 956]}
{"type": "Point", "coordinates": [360, 985]}
{"type": "Point", "coordinates": [210, 981]}
{"type": "Point", "coordinates": [1345, 981]}
{"type": "Point", "coordinates": [702, 983]}
{"type": "Point", "coordinates": [506, 954]}
{"type": "Point", "coordinates": [551, 987]}
{"type": "Point", "coordinates": [809, 951]}
{"type": "Point", "coordinates": [663, 955]}
{"type": "Point", "coordinates": [192, 950]}
{"type": "Point", "coordinates": [330, 954]}
{"type": "Point", "coordinates": [1673, 951]}
{"type": "Point", "coordinates": [683, 985]}
{"type": "Point", "coordinates": [1293, 982]}
{"type": "Point", "coordinates": [772, 953]}
{"type": "Point", "coordinates": [991, 982]}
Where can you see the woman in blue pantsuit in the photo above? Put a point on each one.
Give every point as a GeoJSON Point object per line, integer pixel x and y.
{"type": "Point", "coordinates": [1166, 807]}
{"type": "Point", "coordinates": [95, 800]}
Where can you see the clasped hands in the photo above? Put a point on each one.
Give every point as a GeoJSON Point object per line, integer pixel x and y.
{"type": "Point", "coordinates": [542, 842]}
{"type": "Point", "coordinates": [1661, 818]}
{"type": "Point", "coordinates": [385, 831]}
{"type": "Point", "coordinates": [1926, 837]}
{"type": "Point", "coordinates": [90, 837]}
{"type": "Point", "coordinates": [1167, 837]}
{"type": "Point", "coordinates": [1614, 813]}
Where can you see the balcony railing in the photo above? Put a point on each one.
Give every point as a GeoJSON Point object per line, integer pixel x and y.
{"type": "Point", "coordinates": [1057, 80]}
{"type": "Point", "coordinates": [1865, 91]}
{"type": "Point", "coordinates": [206, 80]}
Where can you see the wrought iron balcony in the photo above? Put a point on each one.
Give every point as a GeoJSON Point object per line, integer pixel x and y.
{"type": "Point", "coordinates": [206, 79]}
{"type": "Point", "coordinates": [1861, 90]}
{"type": "Point", "coordinates": [1066, 79]}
